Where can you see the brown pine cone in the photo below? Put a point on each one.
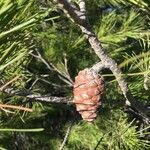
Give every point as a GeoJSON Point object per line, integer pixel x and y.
{"type": "Point", "coordinates": [88, 89]}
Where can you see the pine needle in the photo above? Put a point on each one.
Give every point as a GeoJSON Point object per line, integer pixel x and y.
{"type": "Point", "coordinates": [8, 83]}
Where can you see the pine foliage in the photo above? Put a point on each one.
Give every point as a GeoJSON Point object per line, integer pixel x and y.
{"type": "Point", "coordinates": [43, 47]}
{"type": "Point", "coordinates": [107, 133]}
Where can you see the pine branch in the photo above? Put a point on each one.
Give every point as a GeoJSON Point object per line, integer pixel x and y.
{"type": "Point", "coordinates": [68, 101]}
{"type": "Point", "coordinates": [38, 97]}
{"type": "Point", "coordinates": [79, 18]}
{"type": "Point", "coordinates": [49, 99]}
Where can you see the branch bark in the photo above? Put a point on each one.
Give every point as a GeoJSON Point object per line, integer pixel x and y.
{"type": "Point", "coordinates": [78, 16]}
{"type": "Point", "coordinates": [38, 97]}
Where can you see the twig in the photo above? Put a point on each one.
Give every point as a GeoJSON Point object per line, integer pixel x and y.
{"type": "Point", "coordinates": [55, 85]}
{"type": "Point", "coordinates": [38, 97]}
{"type": "Point", "coordinates": [66, 136]}
{"type": "Point", "coordinates": [50, 99]}
{"type": "Point", "coordinates": [39, 56]}
{"type": "Point", "coordinates": [35, 81]}
{"type": "Point", "coordinates": [15, 107]}
{"type": "Point", "coordinates": [66, 69]}
{"type": "Point", "coordinates": [65, 77]}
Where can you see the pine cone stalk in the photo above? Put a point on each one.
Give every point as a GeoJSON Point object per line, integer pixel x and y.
{"type": "Point", "coordinates": [88, 90]}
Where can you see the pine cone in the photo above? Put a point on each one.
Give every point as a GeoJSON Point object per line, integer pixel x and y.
{"type": "Point", "coordinates": [88, 89]}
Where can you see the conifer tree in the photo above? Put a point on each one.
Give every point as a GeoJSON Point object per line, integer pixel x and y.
{"type": "Point", "coordinates": [43, 47]}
